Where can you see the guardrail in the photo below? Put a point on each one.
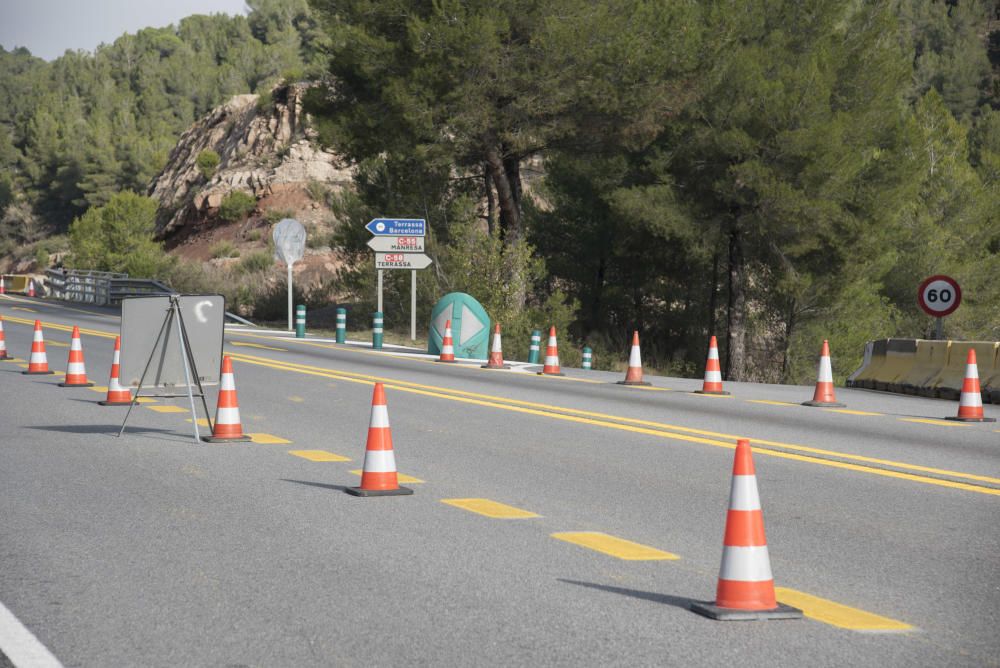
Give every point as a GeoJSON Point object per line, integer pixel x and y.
{"type": "Point", "coordinates": [928, 368]}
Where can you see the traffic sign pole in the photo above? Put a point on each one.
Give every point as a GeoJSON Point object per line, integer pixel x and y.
{"type": "Point", "coordinates": [413, 305]}
{"type": "Point", "coordinates": [380, 290]}
{"type": "Point", "coordinates": [290, 296]}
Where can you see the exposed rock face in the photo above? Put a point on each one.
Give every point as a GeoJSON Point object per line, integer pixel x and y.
{"type": "Point", "coordinates": [261, 151]}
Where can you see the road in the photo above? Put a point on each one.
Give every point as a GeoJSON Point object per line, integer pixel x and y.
{"type": "Point", "coordinates": [152, 550]}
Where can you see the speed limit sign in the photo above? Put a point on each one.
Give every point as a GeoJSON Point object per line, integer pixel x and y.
{"type": "Point", "coordinates": [939, 295]}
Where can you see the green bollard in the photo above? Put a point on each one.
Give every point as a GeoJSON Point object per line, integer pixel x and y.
{"type": "Point", "coordinates": [341, 325]}
{"type": "Point", "coordinates": [377, 330]}
{"type": "Point", "coordinates": [300, 321]}
{"type": "Point", "coordinates": [587, 354]}
{"type": "Point", "coordinates": [536, 340]}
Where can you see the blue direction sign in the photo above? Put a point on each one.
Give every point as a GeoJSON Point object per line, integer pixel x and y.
{"type": "Point", "coordinates": [403, 227]}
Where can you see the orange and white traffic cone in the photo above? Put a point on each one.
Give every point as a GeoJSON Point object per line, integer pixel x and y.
{"type": "Point", "coordinates": [447, 345]}
{"type": "Point", "coordinates": [3, 343]}
{"type": "Point", "coordinates": [746, 586]}
{"type": "Point", "coordinates": [38, 363]}
{"type": "Point", "coordinates": [76, 372]}
{"type": "Point", "coordinates": [227, 427]}
{"type": "Point", "coordinates": [970, 403]}
{"type": "Point", "coordinates": [824, 395]}
{"type": "Point", "coordinates": [551, 366]}
{"type": "Point", "coordinates": [713, 372]}
{"type": "Point", "coordinates": [117, 395]}
{"type": "Point", "coordinates": [495, 360]}
{"type": "Point", "coordinates": [31, 287]}
{"type": "Point", "coordinates": [378, 478]}
{"type": "Point", "coordinates": [3, 288]}
{"type": "Point", "coordinates": [634, 374]}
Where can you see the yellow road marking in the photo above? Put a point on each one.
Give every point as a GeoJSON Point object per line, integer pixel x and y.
{"type": "Point", "coordinates": [267, 439]}
{"type": "Point", "coordinates": [23, 365]}
{"type": "Point", "coordinates": [257, 345]}
{"type": "Point", "coordinates": [168, 409]}
{"type": "Point", "coordinates": [98, 388]}
{"type": "Point", "coordinates": [57, 344]}
{"type": "Point", "coordinates": [940, 423]}
{"type": "Point", "coordinates": [658, 430]}
{"type": "Point", "coordinates": [616, 547]}
{"type": "Point", "coordinates": [297, 400]}
{"type": "Point", "coordinates": [145, 400]}
{"type": "Point", "coordinates": [494, 509]}
{"type": "Point", "coordinates": [22, 308]}
{"type": "Point", "coordinates": [402, 477]}
{"type": "Point", "coordinates": [770, 403]}
{"type": "Point", "coordinates": [837, 614]}
{"type": "Point", "coordinates": [202, 422]}
{"type": "Point", "coordinates": [61, 328]}
{"type": "Point", "coordinates": [319, 456]}
{"type": "Point", "coordinates": [847, 411]}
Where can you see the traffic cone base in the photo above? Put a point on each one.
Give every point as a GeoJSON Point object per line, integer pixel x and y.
{"type": "Point", "coordinates": [88, 384]}
{"type": "Point", "coordinates": [447, 361]}
{"type": "Point", "coordinates": [825, 404]}
{"type": "Point", "coordinates": [105, 402]}
{"type": "Point", "coordinates": [970, 419]}
{"type": "Point", "coordinates": [399, 491]}
{"type": "Point", "coordinates": [550, 373]}
{"type": "Point", "coordinates": [632, 382]}
{"type": "Point", "coordinates": [712, 611]}
{"type": "Point", "coordinates": [711, 392]}
{"type": "Point", "coordinates": [37, 373]}
{"type": "Point", "coordinates": [495, 366]}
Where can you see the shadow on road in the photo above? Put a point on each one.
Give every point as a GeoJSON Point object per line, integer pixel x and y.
{"type": "Point", "coordinates": [339, 488]}
{"type": "Point", "coordinates": [109, 429]}
{"type": "Point", "coordinates": [655, 597]}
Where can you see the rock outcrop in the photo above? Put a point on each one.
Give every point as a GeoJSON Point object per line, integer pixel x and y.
{"type": "Point", "coordinates": [264, 149]}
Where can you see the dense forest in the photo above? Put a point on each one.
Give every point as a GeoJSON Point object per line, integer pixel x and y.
{"type": "Point", "coordinates": [775, 172]}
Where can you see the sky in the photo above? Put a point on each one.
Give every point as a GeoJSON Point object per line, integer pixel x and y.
{"type": "Point", "coordinates": [49, 27]}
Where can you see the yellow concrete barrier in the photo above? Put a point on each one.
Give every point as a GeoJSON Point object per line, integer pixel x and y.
{"type": "Point", "coordinates": [15, 283]}
{"type": "Point", "coordinates": [928, 362]}
{"type": "Point", "coordinates": [866, 376]}
{"type": "Point", "coordinates": [990, 379]}
{"type": "Point", "coordinates": [899, 358]}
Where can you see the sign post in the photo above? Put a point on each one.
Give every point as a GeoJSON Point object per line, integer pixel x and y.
{"type": "Point", "coordinates": [398, 244]}
{"type": "Point", "coordinates": [289, 245]}
{"type": "Point", "coordinates": [939, 296]}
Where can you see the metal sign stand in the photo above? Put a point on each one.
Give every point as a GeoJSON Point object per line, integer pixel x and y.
{"type": "Point", "coordinates": [173, 314]}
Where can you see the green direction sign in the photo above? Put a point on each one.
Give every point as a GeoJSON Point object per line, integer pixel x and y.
{"type": "Point", "coordinates": [470, 326]}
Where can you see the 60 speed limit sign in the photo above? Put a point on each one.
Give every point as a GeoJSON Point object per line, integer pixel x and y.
{"type": "Point", "coordinates": [939, 295]}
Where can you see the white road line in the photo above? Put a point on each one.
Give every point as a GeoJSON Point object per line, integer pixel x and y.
{"type": "Point", "coordinates": [21, 646]}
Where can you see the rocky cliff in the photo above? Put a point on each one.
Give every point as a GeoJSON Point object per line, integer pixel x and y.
{"type": "Point", "coordinates": [265, 148]}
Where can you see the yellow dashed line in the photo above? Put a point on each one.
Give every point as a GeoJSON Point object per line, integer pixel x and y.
{"type": "Point", "coordinates": [169, 409]}
{"type": "Point", "coordinates": [494, 509]}
{"type": "Point", "coordinates": [319, 456]}
{"type": "Point", "coordinates": [837, 614]}
{"type": "Point", "coordinates": [940, 423]}
{"type": "Point", "coordinates": [616, 547]}
{"type": "Point", "coordinates": [847, 411]}
{"type": "Point", "coordinates": [268, 439]}
{"type": "Point", "coordinates": [770, 403]}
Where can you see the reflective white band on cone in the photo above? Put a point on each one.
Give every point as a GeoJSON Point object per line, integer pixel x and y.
{"type": "Point", "coordinates": [746, 564]}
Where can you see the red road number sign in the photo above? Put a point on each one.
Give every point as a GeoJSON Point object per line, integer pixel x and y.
{"type": "Point", "coordinates": [939, 295]}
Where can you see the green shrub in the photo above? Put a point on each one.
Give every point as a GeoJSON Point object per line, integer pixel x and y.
{"type": "Point", "coordinates": [236, 206]}
{"type": "Point", "coordinates": [207, 162]}
{"type": "Point", "coordinates": [255, 262]}
{"type": "Point", "coordinates": [254, 235]}
{"type": "Point", "coordinates": [224, 249]}
{"type": "Point", "coordinates": [274, 215]}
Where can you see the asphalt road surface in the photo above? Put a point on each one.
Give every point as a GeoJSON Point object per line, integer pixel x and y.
{"type": "Point", "coordinates": [554, 521]}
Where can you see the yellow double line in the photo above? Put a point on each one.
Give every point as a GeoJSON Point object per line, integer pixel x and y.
{"type": "Point", "coordinates": [831, 458]}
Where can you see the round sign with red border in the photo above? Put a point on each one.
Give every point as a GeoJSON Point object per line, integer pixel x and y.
{"type": "Point", "coordinates": [939, 295]}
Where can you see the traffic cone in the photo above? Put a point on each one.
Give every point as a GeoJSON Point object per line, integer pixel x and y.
{"type": "Point", "coordinates": [117, 395]}
{"type": "Point", "coordinates": [634, 374]}
{"type": "Point", "coordinates": [746, 586]}
{"type": "Point", "coordinates": [496, 354]}
{"type": "Point", "coordinates": [31, 287]}
{"type": "Point", "coordinates": [227, 427]}
{"type": "Point", "coordinates": [378, 478]}
{"type": "Point", "coordinates": [447, 345]}
{"type": "Point", "coordinates": [713, 373]}
{"type": "Point", "coordinates": [551, 366]}
{"type": "Point", "coordinates": [824, 396]}
{"type": "Point", "coordinates": [970, 403]}
{"type": "Point", "coordinates": [38, 363]}
{"type": "Point", "coordinates": [3, 343]}
{"type": "Point", "coordinates": [76, 373]}
{"type": "Point", "coordinates": [3, 288]}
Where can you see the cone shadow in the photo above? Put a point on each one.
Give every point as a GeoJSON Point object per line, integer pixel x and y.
{"type": "Point", "coordinates": [338, 488]}
{"type": "Point", "coordinates": [655, 597]}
